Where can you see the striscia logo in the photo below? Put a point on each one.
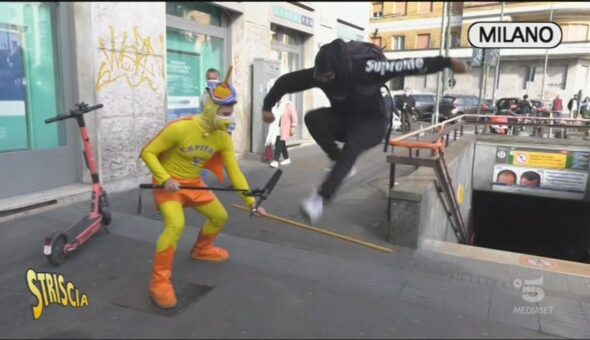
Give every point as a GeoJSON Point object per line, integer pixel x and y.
{"type": "Point", "coordinates": [394, 65]}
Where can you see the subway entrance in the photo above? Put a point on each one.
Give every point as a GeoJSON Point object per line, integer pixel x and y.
{"type": "Point", "coordinates": [541, 226]}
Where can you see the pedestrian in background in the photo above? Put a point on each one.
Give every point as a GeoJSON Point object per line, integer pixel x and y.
{"type": "Point", "coordinates": [557, 106]}
{"type": "Point", "coordinates": [285, 111]}
{"type": "Point", "coordinates": [212, 78]}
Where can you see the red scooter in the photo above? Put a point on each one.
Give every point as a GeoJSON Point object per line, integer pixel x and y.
{"type": "Point", "coordinates": [61, 243]}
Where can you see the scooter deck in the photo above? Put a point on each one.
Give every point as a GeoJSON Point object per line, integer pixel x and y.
{"type": "Point", "coordinates": [73, 231]}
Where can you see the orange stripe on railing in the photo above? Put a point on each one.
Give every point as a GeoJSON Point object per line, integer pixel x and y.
{"type": "Point", "coordinates": [417, 145]}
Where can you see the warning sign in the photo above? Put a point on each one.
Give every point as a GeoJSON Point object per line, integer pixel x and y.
{"type": "Point", "coordinates": [540, 159]}
{"type": "Point", "coordinates": [460, 194]}
{"type": "Point", "coordinates": [541, 172]}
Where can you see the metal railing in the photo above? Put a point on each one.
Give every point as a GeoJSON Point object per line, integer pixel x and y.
{"type": "Point", "coordinates": [439, 137]}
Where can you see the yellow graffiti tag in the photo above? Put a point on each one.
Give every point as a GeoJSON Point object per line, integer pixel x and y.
{"type": "Point", "coordinates": [131, 59]}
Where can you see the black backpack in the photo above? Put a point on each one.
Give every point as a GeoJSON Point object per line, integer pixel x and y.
{"type": "Point", "coordinates": [360, 51]}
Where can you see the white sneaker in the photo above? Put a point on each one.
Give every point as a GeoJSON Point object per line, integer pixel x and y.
{"type": "Point", "coordinates": [286, 161]}
{"type": "Point", "coordinates": [312, 207]}
{"type": "Point", "coordinates": [274, 164]}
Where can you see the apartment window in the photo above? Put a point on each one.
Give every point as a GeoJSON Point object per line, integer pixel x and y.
{"type": "Point", "coordinates": [455, 39]}
{"type": "Point", "coordinates": [529, 76]}
{"type": "Point", "coordinates": [399, 42]}
{"type": "Point", "coordinates": [377, 9]}
{"type": "Point", "coordinates": [556, 77]}
{"type": "Point", "coordinates": [575, 32]}
{"type": "Point", "coordinates": [377, 41]}
{"type": "Point", "coordinates": [400, 8]}
{"type": "Point", "coordinates": [396, 83]}
{"type": "Point", "coordinates": [423, 41]}
{"type": "Point", "coordinates": [424, 6]}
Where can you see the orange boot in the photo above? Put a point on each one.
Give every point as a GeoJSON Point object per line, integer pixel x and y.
{"type": "Point", "coordinates": [204, 250]}
{"type": "Point", "coordinates": [161, 289]}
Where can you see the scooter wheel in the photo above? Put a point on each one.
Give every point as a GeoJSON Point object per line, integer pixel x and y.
{"type": "Point", "coordinates": [105, 211]}
{"type": "Point", "coordinates": [58, 255]}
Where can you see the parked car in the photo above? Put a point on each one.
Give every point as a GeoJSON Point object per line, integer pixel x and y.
{"type": "Point", "coordinates": [424, 104]}
{"type": "Point", "coordinates": [511, 104]}
{"type": "Point", "coordinates": [455, 105]}
{"type": "Point", "coordinates": [540, 108]}
{"type": "Point", "coordinates": [487, 106]}
{"type": "Point", "coordinates": [507, 104]}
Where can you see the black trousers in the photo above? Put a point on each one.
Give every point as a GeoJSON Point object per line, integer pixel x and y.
{"type": "Point", "coordinates": [280, 147]}
{"type": "Point", "coordinates": [359, 133]}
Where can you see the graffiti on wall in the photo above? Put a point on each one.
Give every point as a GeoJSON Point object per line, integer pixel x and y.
{"type": "Point", "coordinates": [132, 59]}
{"type": "Point", "coordinates": [237, 72]}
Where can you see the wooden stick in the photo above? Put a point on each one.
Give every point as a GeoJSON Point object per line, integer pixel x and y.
{"type": "Point", "coordinates": [318, 230]}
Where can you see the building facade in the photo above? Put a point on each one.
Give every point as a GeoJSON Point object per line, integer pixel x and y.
{"type": "Point", "coordinates": [146, 63]}
{"type": "Point", "coordinates": [411, 29]}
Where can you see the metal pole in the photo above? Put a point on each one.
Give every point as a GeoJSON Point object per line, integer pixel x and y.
{"type": "Point", "coordinates": [447, 47]}
{"type": "Point", "coordinates": [546, 59]}
{"type": "Point", "coordinates": [483, 66]}
{"type": "Point", "coordinates": [438, 74]}
{"type": "Point", "coordinates": [497, 75]}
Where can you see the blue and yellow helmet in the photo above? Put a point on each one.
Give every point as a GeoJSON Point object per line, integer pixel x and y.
{"type": "Point", "coordinates": [223, 93]}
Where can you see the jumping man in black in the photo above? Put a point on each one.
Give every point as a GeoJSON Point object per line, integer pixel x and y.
{"type": "Point", "coordinates": [357, 113]}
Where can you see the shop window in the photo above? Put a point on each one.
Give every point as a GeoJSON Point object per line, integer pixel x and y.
{"type": "Point", "coordinates": [29, 77]}
{"type": "Point", "coordinates": [285, 36]}
{"type": "Point", "coordinates": [189, 56]}
{"type": "Point", "coordinates": [199, 12]}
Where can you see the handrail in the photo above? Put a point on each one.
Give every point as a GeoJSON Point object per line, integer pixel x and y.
{"type": "Point", "coordinates": [428, 128]}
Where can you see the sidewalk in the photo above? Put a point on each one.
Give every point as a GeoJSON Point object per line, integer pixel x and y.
{"type": "Point", "coordinates": [281, 281]}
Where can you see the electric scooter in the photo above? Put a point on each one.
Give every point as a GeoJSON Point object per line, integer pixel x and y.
{"type": "Point", "coordinates": [57, 246]}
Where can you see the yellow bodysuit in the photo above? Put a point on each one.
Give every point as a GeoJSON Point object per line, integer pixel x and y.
{"type": "Point", "coordinates": [181, 151]}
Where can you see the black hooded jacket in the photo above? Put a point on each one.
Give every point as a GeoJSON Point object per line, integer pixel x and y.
{"type": "Point", "coordinates": [355, 89]}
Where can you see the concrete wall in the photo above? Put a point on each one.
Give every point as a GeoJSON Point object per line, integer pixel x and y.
{"type": "Point", "coordinates": [250, 40]}
{"type": "Point", "coordinates": [130, 81]}
{"type": "Point", "coordinates": [417, 212]}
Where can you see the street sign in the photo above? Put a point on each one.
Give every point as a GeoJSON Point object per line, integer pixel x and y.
{"type": "Point", "coordinates": [476, 57]}
{"type": "Point", "coordinates": [491, 56]}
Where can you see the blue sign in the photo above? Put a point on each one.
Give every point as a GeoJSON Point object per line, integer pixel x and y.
{"type": "Point", "coordinates": [292, 16]}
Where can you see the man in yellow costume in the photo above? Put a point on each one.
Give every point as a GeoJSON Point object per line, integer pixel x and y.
{"type": "Point", "coordinates": [176, 157]}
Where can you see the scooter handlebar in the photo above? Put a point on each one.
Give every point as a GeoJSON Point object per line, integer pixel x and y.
{"type": "Point", "coordinates": [81, 109]}
{"type": "Point", "coordinates": [56, 118]}
{"type": "Point", "coordinates": [92, 108]}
